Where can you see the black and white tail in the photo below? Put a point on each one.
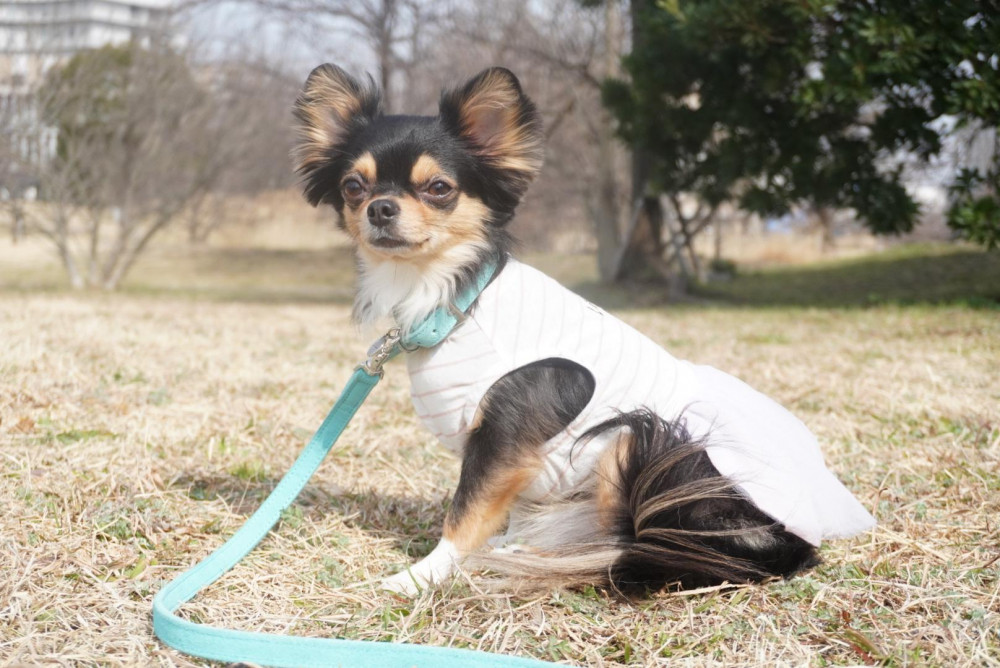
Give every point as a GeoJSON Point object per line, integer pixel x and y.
{"type": "Point", "coordinates": [655, 512]}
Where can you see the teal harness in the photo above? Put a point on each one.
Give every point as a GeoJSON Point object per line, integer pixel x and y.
{"type": "Point", "coordinates": [297, 652]}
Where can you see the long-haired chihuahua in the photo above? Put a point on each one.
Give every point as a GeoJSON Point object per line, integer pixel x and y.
{"type": "Point", "coordinates": [611, 462]}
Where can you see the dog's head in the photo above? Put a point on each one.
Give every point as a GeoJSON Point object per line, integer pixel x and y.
{"type": "Point", "coordinates": [413, 188]}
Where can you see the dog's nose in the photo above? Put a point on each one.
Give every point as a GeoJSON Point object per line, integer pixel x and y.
{"type": "Point", "coordinates": [383, 212]}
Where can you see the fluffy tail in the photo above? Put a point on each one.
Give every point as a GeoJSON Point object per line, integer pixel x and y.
{"type": "Point", "coordinates": [655, 512]}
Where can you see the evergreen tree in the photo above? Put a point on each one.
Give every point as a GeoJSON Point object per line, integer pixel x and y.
{"type": "Point", "coordinates": [775, 103]}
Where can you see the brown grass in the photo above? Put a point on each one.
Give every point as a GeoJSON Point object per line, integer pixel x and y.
{"type": "Point", "coordinates": [138, 431]}
{"type": "Point", "coordinates": [756, 249]}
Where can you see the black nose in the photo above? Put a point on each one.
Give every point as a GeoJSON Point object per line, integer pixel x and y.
{"type": "Point", "coordinates": [383, 212]}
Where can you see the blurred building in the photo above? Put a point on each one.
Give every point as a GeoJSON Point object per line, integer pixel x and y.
{"type": "Point", "coordinates": [37, 34]}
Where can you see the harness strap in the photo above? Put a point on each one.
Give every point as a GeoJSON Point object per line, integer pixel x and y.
{"type": "Point", "coordinates": [299, 652]}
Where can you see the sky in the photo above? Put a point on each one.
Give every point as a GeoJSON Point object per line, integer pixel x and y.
{"type": "Point", "coordinates": [244, 30]}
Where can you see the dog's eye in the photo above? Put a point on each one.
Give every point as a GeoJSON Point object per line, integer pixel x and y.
{"type": "Point", "coordinates": [353, 188]}
{"type": "Point", "coordinates": [439, 188]}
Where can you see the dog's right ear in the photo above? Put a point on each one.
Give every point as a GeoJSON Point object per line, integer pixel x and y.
{"type": "Point", "coordinates": [332, 104]}
{"type": "Point", "coordinates": [501, 127]}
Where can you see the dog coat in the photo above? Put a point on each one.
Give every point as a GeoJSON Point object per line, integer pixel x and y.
{"type": "Point", "coordinates": [523, 316]}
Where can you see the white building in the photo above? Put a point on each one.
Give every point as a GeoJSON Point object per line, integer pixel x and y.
{"type": "Point", "coordinates": [63, 27]}
{"type": "Point", "coordinates": [35, 34]}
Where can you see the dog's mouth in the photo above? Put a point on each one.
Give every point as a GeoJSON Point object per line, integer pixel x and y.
{"type": "Point", "coordinates": [390, 242]}
{"type": "Point", "coordinates": [386, 241]}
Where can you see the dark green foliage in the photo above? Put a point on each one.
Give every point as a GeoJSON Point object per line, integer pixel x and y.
{"type": "Point", "coordinates": [975, 209]}
{"type": "Point", "coordinates": [777, 103]}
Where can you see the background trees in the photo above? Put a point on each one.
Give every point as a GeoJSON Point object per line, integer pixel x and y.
{"type": "Point", "coordinates": [127, 141]}
{"type": "Point", "coordinates": [770, 104]}
{"type": "Point", "coordinates": [130, 154]}
{"type": "Point", "coordinates": [763, 106]}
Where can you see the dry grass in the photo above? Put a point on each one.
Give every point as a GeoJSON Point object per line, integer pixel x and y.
{"type": "Point", "coordinates": [799, 247]}
{"type": "Point", "coordinates": [138, 431]}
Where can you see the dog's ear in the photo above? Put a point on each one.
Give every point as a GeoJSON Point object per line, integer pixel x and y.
{"type": "Point", "coordinates": [498, 123]}
{"type": "Point", "coordinates": [331, 105]}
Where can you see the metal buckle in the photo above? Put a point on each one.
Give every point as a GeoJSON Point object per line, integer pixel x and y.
{"type": "Point", "coordinates": [380, 351]}
{"type": "Point", "coordinates": [406, 348]}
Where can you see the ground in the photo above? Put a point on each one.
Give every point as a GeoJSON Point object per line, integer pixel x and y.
{"type": "Point", "coordinates": [139, 430]}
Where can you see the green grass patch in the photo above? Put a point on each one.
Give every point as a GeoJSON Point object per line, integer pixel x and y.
{"type": "Point", "coordinates": [915, 274]}
{"type": "Point", "coordinates": [251, 471]}
{"type": "Point", "coordinates": [75, 435]}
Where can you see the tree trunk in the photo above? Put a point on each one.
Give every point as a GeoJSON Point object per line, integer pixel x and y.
{"type": "Point", "coordinates": [605, 210]}
{"type": "Point", "coordinates": [131, 253]}
{"type": "Point", "coordinates": [76, 279]}
{"type": "Point", "coordinates": [113, 258]}
{"type": "Point", "coordinates": [687, 238]}
{"type": "Point", "coordinates": [59, 235]}
{"type": "Point", "coordinates": [93, 254]}
{"type": "Point", "coordinates": [824, 216]}
{"type": "Point", "coordinates": [203, 219]}
{"type": "Point", "coordinates": [383, 49]}
{"type": "Point", "coordinates": [642, 258]}
{"type": "Point", "coordinates": [17, 229]}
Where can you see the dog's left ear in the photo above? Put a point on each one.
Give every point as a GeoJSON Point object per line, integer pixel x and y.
{"type": "Point", "coordinates": [499, 124]}
{"type": "Point", "coordinates": [332, 104]}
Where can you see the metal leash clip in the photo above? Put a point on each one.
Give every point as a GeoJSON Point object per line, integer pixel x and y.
{"type": "Point", "coordinates": [380, 352]}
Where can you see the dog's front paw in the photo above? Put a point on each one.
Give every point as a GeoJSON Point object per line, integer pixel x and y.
{"type": "Point", "coordinates": [403, 583]}
{"type": "Point", "coordinates": [435, 568]}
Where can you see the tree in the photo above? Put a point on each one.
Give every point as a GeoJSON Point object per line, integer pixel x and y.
{"type": "Point", "coordinates": [772, 104]}
{"type": "Point", "coordinates": [133, 150]}
{"type": "Point", "coordinates": [394, 31]}
{"type": "Point", "coordinates": [119, 142]}
{"type": "Point", "coordinates": [927, 63]}
{"type": "Point", "coordinates": [252, 138]}
{"type": "Point", "coordinates": [975, 210]}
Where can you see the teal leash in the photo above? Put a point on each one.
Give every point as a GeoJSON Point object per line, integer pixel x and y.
{"type": "Point", "coordinates": [267, 649]}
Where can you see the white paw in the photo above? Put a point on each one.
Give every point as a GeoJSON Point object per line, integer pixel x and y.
{"type": "Point", "coordinates": [435, 568]}
{"type": "Point", "coordinates": [402, 583]}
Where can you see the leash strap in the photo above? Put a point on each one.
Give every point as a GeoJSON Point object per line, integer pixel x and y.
{"type": "Point", "coordinates": [230, 645]}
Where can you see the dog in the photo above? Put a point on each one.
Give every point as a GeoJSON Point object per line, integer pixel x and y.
{"type": "Point", "coordinates": [612, 463]}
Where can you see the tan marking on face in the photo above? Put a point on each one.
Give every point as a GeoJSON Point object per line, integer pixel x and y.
{"type": "Point", "coordinates": [424, 169]}
{"type": "Point", "coordinates": [432, 231]}
{"type": "Point", "coordinates": [355, 217]}
{"type": "Point", "coordinates": [465, 224]}
{"type": "Point", "coordinates": [486, 514]}
{"type": "Point", "coordinates": [354, 220]}
{"type": "Point", "coordinates": [365, 167]}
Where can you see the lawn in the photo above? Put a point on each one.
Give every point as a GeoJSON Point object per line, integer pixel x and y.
{"type": "Point", "coordinates": [139, 430]}
{"type": "Point", "coordinates": [916, 274]}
